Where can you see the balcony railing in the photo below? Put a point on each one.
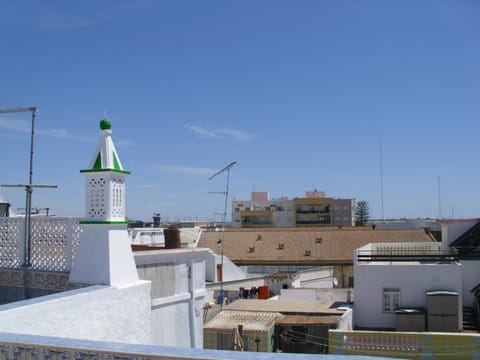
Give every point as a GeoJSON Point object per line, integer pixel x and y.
{"type": "Point", "coordinates": [405, 255]}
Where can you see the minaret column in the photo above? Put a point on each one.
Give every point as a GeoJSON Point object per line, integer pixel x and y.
{"type": "Point", "coordinates": [104, 255]}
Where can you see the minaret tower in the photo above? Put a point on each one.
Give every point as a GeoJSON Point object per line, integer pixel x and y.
{"type": "Point", "coordinates": [105, 182]}
{"type": "Point", "coordinates": [104, 254]}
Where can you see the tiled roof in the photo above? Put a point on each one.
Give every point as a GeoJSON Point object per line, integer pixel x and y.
{"type": "Point", "coordinates": [308, 246]}
{"type": "Point", "coordinates": [251, 321]}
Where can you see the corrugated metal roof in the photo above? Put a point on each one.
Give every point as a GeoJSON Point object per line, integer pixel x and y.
{"type": "Point", "coordinates": [251, 321]}
{"type": "Point", "coordinates": [285, 307]}
{"type": "Point", "coordinates": [306, 320]}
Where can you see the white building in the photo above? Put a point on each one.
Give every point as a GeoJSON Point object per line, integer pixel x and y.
{"type": "Point", "coordinates": [464, 237]}
{"type": "Point", "coordinates": [389, 276]}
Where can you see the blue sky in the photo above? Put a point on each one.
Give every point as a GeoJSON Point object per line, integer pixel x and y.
{"type": "Point", "coordinates": [299, 93]}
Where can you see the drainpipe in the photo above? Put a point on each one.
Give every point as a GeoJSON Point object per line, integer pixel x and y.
{"type": "Point", "coordinates": [191, 288]}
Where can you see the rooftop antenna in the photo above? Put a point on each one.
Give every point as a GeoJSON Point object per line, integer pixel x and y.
{"type": "Point", "coordinates": [439, 198]}
{"type": "Point", "coordinates": [28, 197]}
{"type": "Point", "coordinates": [227, 169]}
{"type": "Point", "coordinates": [381, 177]}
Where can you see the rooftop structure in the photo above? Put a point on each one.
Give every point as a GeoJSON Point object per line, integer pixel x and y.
{"type": "Point", "coordinates": [256, 330]}
{"type": "Point", "coordinates": [384, 284]}
{"type": "Point", "coordinates": [104, 255]}
{"type": "Point", "coordinates": [309, 246]}
{"type": "Point", "coordinates": [304, 247]}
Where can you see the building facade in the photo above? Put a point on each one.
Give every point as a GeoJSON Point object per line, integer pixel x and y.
{"type": "Point", "coordinates": [392, 280]}
{"type": "Point", "coordinates": [312, 210]}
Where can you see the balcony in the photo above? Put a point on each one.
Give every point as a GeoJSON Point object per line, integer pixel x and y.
{"type": "Point", "coordinates": [313, 219]}
{"type": "Point", "coordinates": [313, 210]}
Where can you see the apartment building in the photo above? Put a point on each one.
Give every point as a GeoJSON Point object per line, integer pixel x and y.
{"type": "Point", "coordinates": [314, 209]}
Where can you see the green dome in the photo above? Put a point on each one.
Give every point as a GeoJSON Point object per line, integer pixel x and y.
{"type": "Point", "coordinates": [105, 124]}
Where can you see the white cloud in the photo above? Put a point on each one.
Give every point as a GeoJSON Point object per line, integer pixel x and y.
{"type": "Point", "coordinates": [218, 133]}
{"type": "Point", "coordinates": [203, 133]}
{"type": "Point", "coordinates": [149, 186]}
{"type": "Point", "coordinates": [124, 143]}
{"type": "Point", "coordinates": [87, 17]}
{"type": "Point", "coordinates": [64, 134]}
{"type": "Point", "coordinates": [15, 125]}
{"type": "Point", "coordinates": [235, 134]}
{"type": "Point", "coordinates": [26, 127]}
{"type": "Point", "coordinates": [184, 170]}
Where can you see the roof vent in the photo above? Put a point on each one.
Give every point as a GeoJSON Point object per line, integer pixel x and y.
{"type": "Point", "coordinates": [251, 249]}
{"type": "Point", "coordinates": [308, 252]}
{"type": "Point", "coordinates": [318, 240]}
{"type": "Point", "coordinates": [281, 246]}
{"type": "Point", "coordinates": [259, 237]}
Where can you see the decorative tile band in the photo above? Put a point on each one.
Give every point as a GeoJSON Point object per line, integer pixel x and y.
{"type": "Point", "coordinates": [37, 352]}
{"type": "Point", "coordinates": [45, 280]}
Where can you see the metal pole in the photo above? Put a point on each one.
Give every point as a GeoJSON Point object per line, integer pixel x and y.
{"type": "Point", "coordinates": [28, 197]}
{"type": "Point", "coordinates": [257, 341]}
{"type": "Point", "coordinates": [29, 189]}
{"type": "Point", "coordinates": [226, 168]}
{"type": "Point", "coordinates": [223, 235]}
{"type": "Point", "coordinates": [381, 178]}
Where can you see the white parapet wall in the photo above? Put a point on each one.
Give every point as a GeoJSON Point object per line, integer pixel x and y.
{"type": "Point", "coordinates": [99, 313]}
{"type": "Point", "coordinates": [178, 294]}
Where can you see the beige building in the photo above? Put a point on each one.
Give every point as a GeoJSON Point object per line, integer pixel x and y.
{"type": "Point", "coordinates": [313, 210]}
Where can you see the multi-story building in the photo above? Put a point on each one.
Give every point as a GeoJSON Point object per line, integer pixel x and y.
{"type": "Point", "coordinates": [315, 209]}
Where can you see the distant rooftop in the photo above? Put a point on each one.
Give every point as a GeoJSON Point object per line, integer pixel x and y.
{"type": "Point", "coordinates": [305, 246]}
{"type": "Point", "coordinates": [285, 307]}
{"type": "Point", "coordinates": [251, 321]}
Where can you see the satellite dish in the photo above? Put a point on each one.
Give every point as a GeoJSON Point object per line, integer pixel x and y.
{"type": "Point", "coordinates": [335, 281]}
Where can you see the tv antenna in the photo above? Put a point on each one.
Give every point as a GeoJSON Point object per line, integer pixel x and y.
{"type": "Point", "coordinates": [439, 198]}
{"type": "Point", "coordinates": [28, 189]}
{"type": "Point", "coordinates": [381, 177]}
{"type": "Point", "coordinates": [225, 169]}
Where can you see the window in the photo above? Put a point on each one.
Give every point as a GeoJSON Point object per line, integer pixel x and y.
{"type": "Point", "coordinates": [391, 299]}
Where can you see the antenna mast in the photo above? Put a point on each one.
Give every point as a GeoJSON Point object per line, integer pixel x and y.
{"type": "Point", "coordinates": [28, 197]}
{"type": "Point", "coordinates": [439, 198]}
{"type": "Point", "coordinates": [227, 169]}
{"type": "Point", "coordinates": [381, 177]}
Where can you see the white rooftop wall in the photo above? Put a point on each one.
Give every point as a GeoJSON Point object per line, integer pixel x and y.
{"type": "Point", "coordinates": [100, 313]}
{"type": "Point", "coordinates": [231, 272]}
{"type": "Point", "coordinates": [178, 294]}
{"type": "Point", "coordinates": [412, 280]}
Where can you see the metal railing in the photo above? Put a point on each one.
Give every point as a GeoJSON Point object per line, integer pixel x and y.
{"type": "Point", "coordinates": [407, 255]}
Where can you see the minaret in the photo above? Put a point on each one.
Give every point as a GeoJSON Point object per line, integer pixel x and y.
{"type": "Point", "coordinates": [105, 182]}
{"type": "Point", "coordinates": [104, 255]}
